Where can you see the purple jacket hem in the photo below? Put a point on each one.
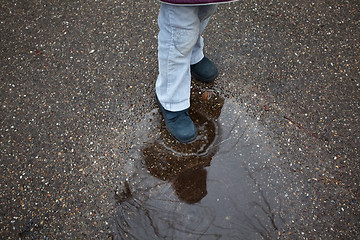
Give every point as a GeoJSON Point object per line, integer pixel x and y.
{"type": "Point", "coordinates": [195, 2]}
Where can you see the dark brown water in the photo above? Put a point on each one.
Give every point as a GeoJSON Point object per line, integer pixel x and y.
{"type": "Point", "coordinates": [224, 185]}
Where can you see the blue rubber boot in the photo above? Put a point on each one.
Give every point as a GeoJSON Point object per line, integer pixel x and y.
{"type": "Point", "coordinates": [204, 71]}
{"type": "Point", "coordinates": [179, 124]}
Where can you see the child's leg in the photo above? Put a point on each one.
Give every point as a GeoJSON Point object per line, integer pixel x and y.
{"type": "Point", "coordinates": [179, 32]}
{"type": "Point", "coordinates": [204, 15]}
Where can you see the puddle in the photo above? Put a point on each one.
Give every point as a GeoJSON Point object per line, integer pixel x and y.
{"type": "Point", "coordinates": [222, 186]}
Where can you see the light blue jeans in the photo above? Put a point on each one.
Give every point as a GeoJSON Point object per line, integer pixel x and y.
{"type": "Point", "coordinates": [179, 45]}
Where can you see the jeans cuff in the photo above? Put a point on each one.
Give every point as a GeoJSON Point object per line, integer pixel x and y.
{"type": "Point", "coordinates": [197, 58]}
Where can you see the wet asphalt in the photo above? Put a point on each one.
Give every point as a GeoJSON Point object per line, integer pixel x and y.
{"type": "Point", "coordinates": [81, 136]}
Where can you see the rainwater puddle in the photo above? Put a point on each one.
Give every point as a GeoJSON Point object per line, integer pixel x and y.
{"type": "Point", "coordinates": [225, 185]}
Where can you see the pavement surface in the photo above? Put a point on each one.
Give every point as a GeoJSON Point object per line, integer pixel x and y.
{"type": "Point", "coordinates": [82, 141]}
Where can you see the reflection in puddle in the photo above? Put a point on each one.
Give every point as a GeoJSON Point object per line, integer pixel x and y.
{"type": "Point", "coordinates": [209, 189]}
{"type": "Point", "coordinates": [184, 165]}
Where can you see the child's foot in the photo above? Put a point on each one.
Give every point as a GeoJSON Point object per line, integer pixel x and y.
{"type": "Point", "coordinates": [179, 124]}
{"type": "Point", "coordinates": [204, 71]}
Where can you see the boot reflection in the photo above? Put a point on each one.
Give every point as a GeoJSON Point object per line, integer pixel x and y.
{"type": "Point", "coordinates": [187, 174]}
{"type": "Point", "coordinates": [190, 186]}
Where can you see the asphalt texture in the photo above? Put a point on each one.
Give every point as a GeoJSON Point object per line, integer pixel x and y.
{"type": "Point", "coordinates": [80, 126]}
